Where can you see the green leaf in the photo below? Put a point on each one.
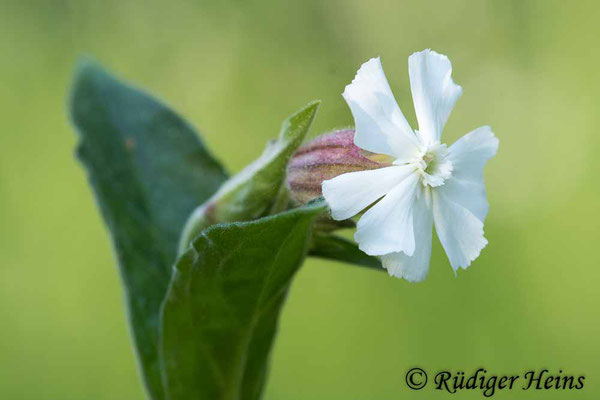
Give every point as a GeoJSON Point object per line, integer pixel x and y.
{"type": "Point", "coordinates": [221, 311]}
{"type": "Point", "coordinates": [149, 170]}
{"type": "Point", "coordinates": [336, 248]}
{"type": "Point", "coordinates": [255, 191]}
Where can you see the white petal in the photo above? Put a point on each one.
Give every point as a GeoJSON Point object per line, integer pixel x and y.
{"type": "Point", "coordinates": [415, 268]}
{"type": "Point", "coordinates": [434, 93]}
{"type": "Point", "coordinates": [470, 153]}
{"type": "Point", "coordinates": [468, 194]}
{"type": "Point", "coordinates": [459, 230]}
{"type": "Point", "coordinates": [380, 125]}
{"type": "Point", "coordinates": [388, 226]}
{"type": "Point", "coordinates": [468, 156]}
{"type": "Point", "coordinates": [350, 193]}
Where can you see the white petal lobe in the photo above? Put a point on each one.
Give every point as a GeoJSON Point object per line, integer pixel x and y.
{"type": "Point", "coordinates": [415, 268]}
{"type": "Point", "coordinates": [348, 194]}
{"type": "Point", "coordinates": [468, 156]}
{"type": "Point", "coordinates": [459, 230]}
{"type": "Point", "coordinates": [468, 194]}
{"type": "Point", "coordinates": [380, 125]}
{"type": "Point", "coordinates": [470, 153]}
{"type": "Point", "coordinates": [434, 93]}
{"type": "Point", "coordinates": [388, 226]}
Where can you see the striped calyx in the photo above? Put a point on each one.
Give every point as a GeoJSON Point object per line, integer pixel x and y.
{"type": "Point", "coordinates": [326, 157]}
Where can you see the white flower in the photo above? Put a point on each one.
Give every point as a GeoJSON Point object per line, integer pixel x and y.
{"type": "Point", "coordinates": [428, 182]}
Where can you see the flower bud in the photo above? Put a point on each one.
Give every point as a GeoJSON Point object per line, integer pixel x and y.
{"type": "Point", "coordinates": [258, 189]}
{"type": "Point", "coordinates": [324, 158]}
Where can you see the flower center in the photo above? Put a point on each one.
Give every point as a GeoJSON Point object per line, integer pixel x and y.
{"type": "Point", "coordinates": [429, 160]}
{"type": "Point", "coordinates": [434, 165]}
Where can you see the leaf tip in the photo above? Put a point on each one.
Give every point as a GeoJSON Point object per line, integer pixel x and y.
{"type": "Point", "coordinates": [297, 125]}
{"type": "Point", "coordinates": [309, 111]}
{"type": "Point", "coordinates": [85, 69]}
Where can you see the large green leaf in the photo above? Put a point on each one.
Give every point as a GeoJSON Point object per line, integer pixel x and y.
{"type": "Point", "coordinates": [149, 170]}
{"type": "Point", "coordinates": [339, 249]}
{"type": "Point", "coordinates": [221, 311]}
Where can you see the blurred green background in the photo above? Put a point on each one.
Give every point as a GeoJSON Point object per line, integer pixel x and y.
{"type": "Point", "coordinates": [235, 69]}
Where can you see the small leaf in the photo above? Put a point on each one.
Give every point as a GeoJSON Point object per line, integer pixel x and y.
{"type": "Point", "coordinates": [336, 248]}
{"type": "Point", "coordinates": [149, 170]}
{"type": "Point", "coordinates": [259, 189]}
{"type": "Point", "coordinates": [224, 300]}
